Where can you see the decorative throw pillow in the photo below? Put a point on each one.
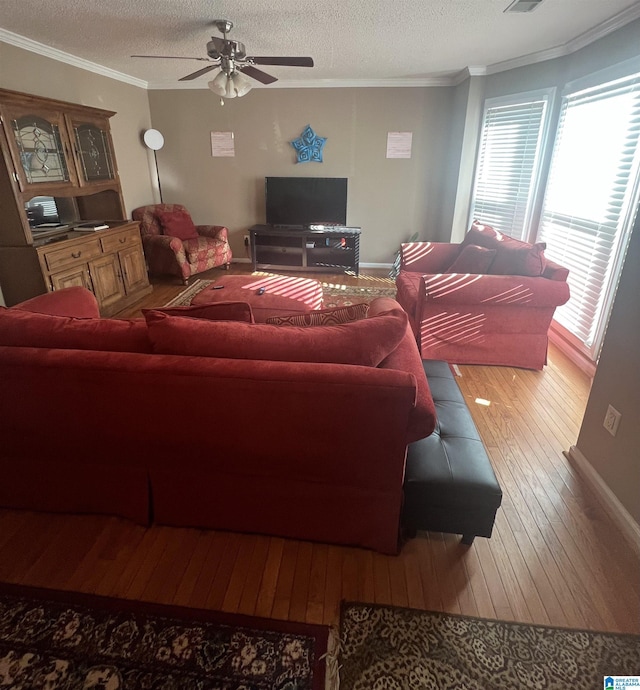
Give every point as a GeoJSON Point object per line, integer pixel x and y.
{"type": "Point", "coordinates": [323, 317]}
{"type": "Point", "coordinates": [515, 258]}
{"type": "Point", "coordinates": [472, 259]}
{"type": "Point", "coordinates": [219, 311]}
{"type": "Point", "coordinates": [366, 342]}
{"type": "Point", "coordinates": [177, 224]}
{"type": "Point", "coordinates": [482, 236]}
{"type": "Point", "coordinates": [28, 329]}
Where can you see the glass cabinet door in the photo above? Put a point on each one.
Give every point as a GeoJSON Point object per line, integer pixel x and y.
{"type": "Point", "coordinates": [40, 148]}
{"type": "Point", "coordinates": [93, 150]}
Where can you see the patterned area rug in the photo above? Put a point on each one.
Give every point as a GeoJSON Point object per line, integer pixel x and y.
{"type": "Point", "coordinates": [185, 297]}
{"type": "Point", "coordinates": [344, 296]}
{"type": "Point", "coordinates": [59, 640]}
{"type": "Point", "coordinates": [335, 295]}
{"type": "Point", "coordinates": [394, 649]}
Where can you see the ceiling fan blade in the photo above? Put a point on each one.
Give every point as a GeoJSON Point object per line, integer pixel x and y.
{"type": "Point", "coordinates": [199, 73]}
{"type": "Point", "coordinates": [258, 74]}
{"type": "Point", "coordinates": [171, 57]}
{"type": "Point", "coordinates": [284, 61]}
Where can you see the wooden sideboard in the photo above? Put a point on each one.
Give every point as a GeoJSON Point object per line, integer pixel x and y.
{"type": "Point", "coordinates": [110, 263]}
{"type": "Point", "coordinates": [62, 153]}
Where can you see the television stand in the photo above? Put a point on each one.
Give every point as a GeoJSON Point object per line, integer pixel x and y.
{"type": "Point", "coordinates": [331, 249]}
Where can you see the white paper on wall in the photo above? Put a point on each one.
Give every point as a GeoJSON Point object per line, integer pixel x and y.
{"type": "Point", "coordinates": [399, 144]}
{"type": "Point", "coordinates": [222, 144]}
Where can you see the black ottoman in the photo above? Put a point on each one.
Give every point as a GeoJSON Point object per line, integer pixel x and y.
{"type": "Point", "coordinates": [449, 483]}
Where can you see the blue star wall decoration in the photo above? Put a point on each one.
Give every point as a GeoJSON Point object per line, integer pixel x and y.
{"type": "Point", "coordinates": [309, 146]}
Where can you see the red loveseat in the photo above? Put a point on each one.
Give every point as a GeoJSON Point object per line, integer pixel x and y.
{"type": "Point", "coordinates": [488, 300]}
{"type": "Point", "coordinates": [129, 418]}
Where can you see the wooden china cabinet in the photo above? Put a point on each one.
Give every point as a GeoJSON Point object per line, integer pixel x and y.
{"type": "Point", "coordinates": [58, 165]}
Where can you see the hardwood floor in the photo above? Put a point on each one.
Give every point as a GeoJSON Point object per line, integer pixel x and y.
{"type": "Point", "coordinates": [555, 556]}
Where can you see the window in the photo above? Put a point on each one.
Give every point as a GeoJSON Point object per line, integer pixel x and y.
{"type": "Point", "coordinates": [511, 145]}
{"type": "Point", "coordinates": [590, 200]}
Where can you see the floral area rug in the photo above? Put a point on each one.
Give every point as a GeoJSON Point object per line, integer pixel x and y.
{"type": "Point", "coordinates": [334, 295]}
{"type": "Point", "coordinates": [59, 640]}
{"type": "Point", "coordinates": [394, 649]}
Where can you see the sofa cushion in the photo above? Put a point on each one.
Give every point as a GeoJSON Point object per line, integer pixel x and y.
{"type": "Point", "coordinates": [473, 259]}
{"type": "Point", "coordinates": [517, 258]}
{"type": "Point", "coordinates": [217, 311]}
{"type": "Point", "coordinates": [323, 317]}
{"type": "Point", "coordinates": [366, 342]}
{"type": "Point", "coordinates": [27, 329]}
{"type": "Point", "coordinates": [482, 236]}
{"type": "Point", "coordinates": [177, 224]}
{"type": "Point", "coordinates": [513, 257]}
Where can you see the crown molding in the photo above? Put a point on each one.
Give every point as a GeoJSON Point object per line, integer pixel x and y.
{"type": "Point", "coordinates": [613, 24]}
{"type": "Point", "coordinates": [467, 72]}
{"type": "Point", "coordinates": [609, 26]}
{"type": "Point", "coordinates": [61, 56]}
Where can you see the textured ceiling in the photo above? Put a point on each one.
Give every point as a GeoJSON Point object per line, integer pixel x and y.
{"type": "Point", "coordinates": [349, 40]}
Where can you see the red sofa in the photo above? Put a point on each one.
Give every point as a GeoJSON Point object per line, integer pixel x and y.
{"type": "Point", "coordinates": [105, 416]}
{"type": "Point", "coordinates": [488, 300]}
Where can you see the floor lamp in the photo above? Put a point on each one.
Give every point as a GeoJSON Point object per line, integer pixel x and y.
{"type": "Point", "coordinates": [155, 141]}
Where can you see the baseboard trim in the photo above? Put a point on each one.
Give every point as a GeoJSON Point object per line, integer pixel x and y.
{"type": "Point", "coordinates": [561, 339]}
{"type": "Point", "coordinates": [619, 514]}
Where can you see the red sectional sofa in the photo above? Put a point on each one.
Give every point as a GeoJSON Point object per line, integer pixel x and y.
{"type": "Point", "coordinates": [488, 300]}
{"type": "Point", "coordinates": [135, 418]}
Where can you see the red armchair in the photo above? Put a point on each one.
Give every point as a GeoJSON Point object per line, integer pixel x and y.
{"type": "Point", "coordinates": [481, 315]}
{"type": "Point", "coordinates": [192, 249]}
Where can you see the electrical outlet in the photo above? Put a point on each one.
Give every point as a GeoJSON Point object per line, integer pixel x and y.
{"type": "Point", "coordinates": [246, 240]}
{"type": "Point", "coordinates": [612, 420]}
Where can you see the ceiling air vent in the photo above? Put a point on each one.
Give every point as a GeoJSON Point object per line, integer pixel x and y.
{"type": "Point", "coordinates": [523, 5]}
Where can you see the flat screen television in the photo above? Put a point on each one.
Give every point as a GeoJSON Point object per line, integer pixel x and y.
{"type": "Point", "coordinates": [304, 201]}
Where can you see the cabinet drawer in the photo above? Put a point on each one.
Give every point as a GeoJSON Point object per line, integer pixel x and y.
{"type": "Point", "coordinates": [116, 241]}
{"type": "Point", "coordinates": [66, 256]}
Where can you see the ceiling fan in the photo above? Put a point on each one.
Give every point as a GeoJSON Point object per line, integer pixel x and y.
{"type": "Point", "coordinates": [233, 61]}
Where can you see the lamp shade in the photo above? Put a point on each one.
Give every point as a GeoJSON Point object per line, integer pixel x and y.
{"type": "Point", "coordinates": [241, 83]}
{"type": "Point", "coordinates": [230, 86]}
{"type": "Point", "coordinates": [219, 84]}
{"type": "Point", "coordinates": [153, 139]}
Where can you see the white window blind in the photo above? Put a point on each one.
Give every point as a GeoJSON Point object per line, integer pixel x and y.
{"type": "Point", "coordinates": [591, 196]}
{"type": "Point", "coordinates": [508, 163]}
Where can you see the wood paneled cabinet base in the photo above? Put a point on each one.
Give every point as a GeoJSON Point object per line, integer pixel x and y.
{"type": "Point", "coordinates": [110, 263]}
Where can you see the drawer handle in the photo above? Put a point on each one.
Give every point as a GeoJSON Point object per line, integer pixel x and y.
{"type": "Point", "coordinates": [122, 240]}
{"type": "Point", "coordinates": [76, 255]}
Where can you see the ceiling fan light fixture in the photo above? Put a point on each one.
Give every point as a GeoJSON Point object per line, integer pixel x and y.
{"type": "Point", "coordinates": [241, 84]}
{"type": "Point", "coordinates": [230, 86]}
{"type": "Point", "coordinates": [219, 84]}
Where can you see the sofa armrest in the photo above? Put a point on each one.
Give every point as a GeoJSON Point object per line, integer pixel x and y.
{"type": "Point", "coordinates": [406, 357]}
{"type": "Point", "coordinates": [216, 232]}
{"type": "Point", "coordinates": [555, 271]}
{"type": "Point", "coordinates": [160, 242]}
{"type": "Point", "coordinates": [427, 257]}
{"type": "Point", "coordinates": [72, 301]}
{"type": "Point", "coordinates": [465, 288]}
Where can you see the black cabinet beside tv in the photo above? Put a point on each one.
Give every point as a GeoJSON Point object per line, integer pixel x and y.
{"type": "Point", "coordinates": [332, 249]}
